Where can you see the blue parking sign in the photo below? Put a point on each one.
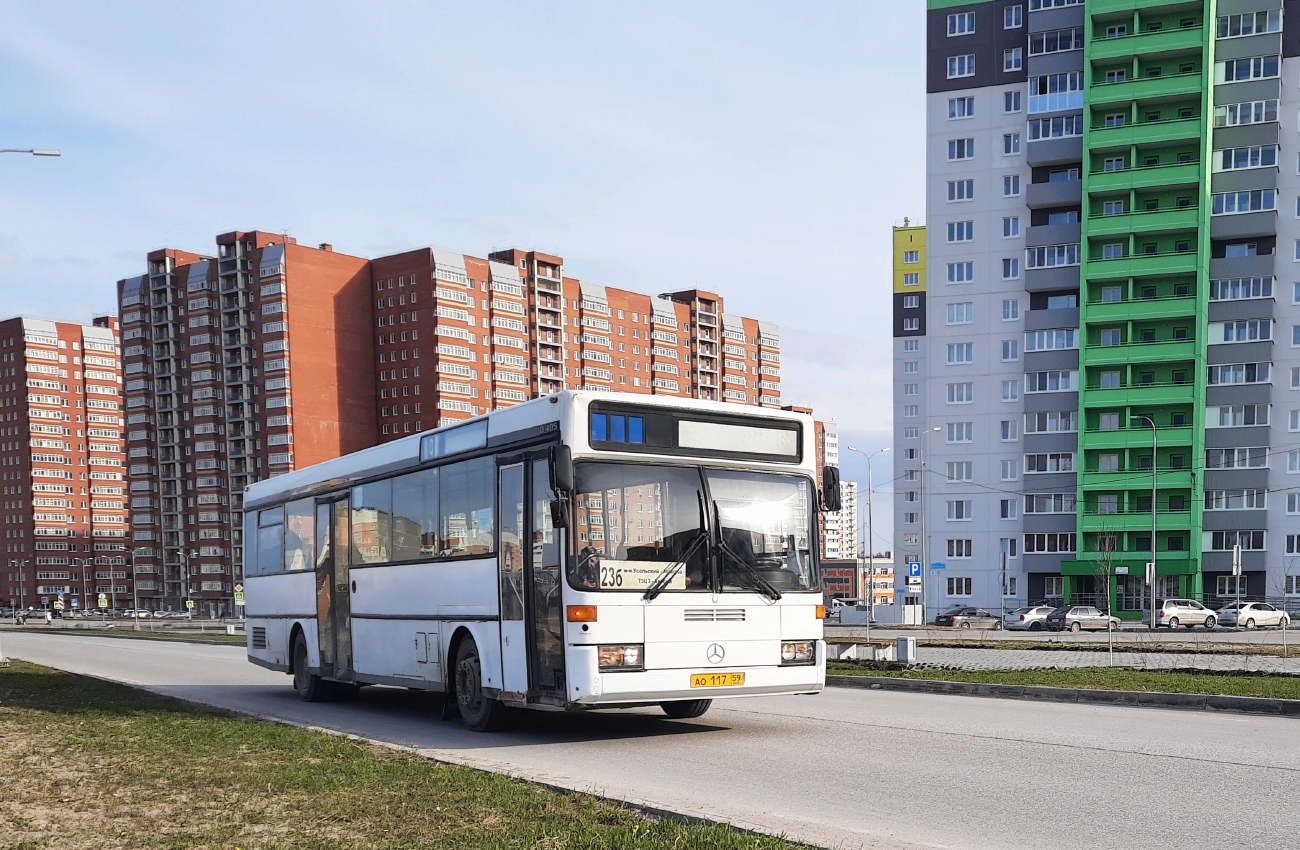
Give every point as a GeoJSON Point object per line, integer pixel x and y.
{"type": "Point", "coordinates": [914, 569]}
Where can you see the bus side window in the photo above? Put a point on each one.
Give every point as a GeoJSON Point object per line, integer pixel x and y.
{"type": "Point", "coordinates": [270, 538]}
{"type": "Point", "coordinates": [372, 521]}
{"type": "Point", "coordinates": [300, 535]}
{"type": "Point", "coordinates": [467, 507]}
{"type": "Point", "coordinates": [415, 516]}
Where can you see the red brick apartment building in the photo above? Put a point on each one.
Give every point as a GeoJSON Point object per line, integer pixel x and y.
{"type": "Point", "coordinates": [271, 355]}
{"type": "Point", "coordinates": [63, 505]}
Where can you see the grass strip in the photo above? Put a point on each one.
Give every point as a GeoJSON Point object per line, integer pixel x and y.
{"type": "Point", "coordinates": [1279, 686]}
{"type": "Point", "coordinates": [1194, 645]}
{"type": "Point", "coordinates": [143, 634]}
{"type": "Point", "coordinates": [90, 764]}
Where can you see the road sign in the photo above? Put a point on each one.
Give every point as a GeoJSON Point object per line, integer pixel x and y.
{"type": "Point", "coordinates": [913, 581]}
{"type": "Point", "coordinates": [938, 565]}
{"type": "Point", "coordinates": [1151, 572]}
{"type": "Point", "coordinates": [1121, 571]}
{"type": "Point", "coordinates": [58, 603]}
{"type": "Point", "coordinates": [189, 603]}
{"type": "Point", "coordinates": [103, 600]}
{"type": "Point", "coordinates": [239, 597]}
{"type": "Point", "coordinates": [914, 569]}
{"type": "Point", "coordinates": [239, 588]}
{"type": "Point", "coordinates": [1236, 559]}
{"type": "Point", "coordinates": [75, 602]}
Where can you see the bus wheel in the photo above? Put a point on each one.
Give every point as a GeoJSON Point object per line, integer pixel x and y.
{"type": "Point", "coordinates": [686, 709]}
{"type": "Point", "coordinates": [480, 713]}
{"type": "Point", "coordinates": [309, 686]}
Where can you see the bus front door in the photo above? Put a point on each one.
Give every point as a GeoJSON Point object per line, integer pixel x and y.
{"type": "Point", "coordinates": [544, 609]}
{"type": "Point", "coordinates": [333, 590]}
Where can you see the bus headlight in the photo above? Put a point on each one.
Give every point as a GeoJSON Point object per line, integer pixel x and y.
{"type": "Point", "coordinates": [798, 652]}
{"type": "Point", "coordinates": [627, 657]}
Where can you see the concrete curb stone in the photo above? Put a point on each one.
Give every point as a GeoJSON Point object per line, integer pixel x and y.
{"type": "Point", "coordinates": [1134, 699]}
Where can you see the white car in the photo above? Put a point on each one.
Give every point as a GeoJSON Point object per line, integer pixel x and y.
{"type": "Point", "coordinates": [1252, 614]}
{"type": "Point", "coordinates": [1030, 619]}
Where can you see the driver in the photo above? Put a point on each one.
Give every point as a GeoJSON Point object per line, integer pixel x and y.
{"type": "Point", "coordinates": [589, 567]}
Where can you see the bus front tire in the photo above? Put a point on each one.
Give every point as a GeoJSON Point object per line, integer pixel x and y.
{"type": "Point", "coordinates": [479, 712]}
{"type": "Point", "coordinates": [309, 686]}
{"type": "Point", "coordinates": [686, 709]}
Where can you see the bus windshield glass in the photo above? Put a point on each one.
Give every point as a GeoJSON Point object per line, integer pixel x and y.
{"type": "Point", "coordinates": [646, 528]}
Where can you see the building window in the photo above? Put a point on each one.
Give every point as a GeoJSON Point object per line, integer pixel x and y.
{"type": "Point", "coordinates": [1012, 59]}
{"type": "Point", "coordinates": [959, 470]}
{"type": "Point", "coordinates": [912, 279]}
{"type": "Point", "coordinates": [961, 393]}
{"type": "Point", "coordinates": [961, 432]}
{"type": "Point", "coordinates": [1011, 226]}
{"type": "Point", "coordinates": [911, 256]}
{"type": "Point", "coordinates": [1010, 390]}
{"type": "Point", "coordinates": [961, 352]}
{"type": "Point", "coordinates": [1010, 185]}
{"type": "Point", "coordinates": [961, 107]}
{"type": "Point", "coordinates": [961, 149]}
{"type": "Point", "coordinates": [1009, 470]}
{"type": "Point", "coordinates": [961, 231]}
{"type": "Point", "coordinates": [1011, 101]}
{"type": "Point", "coordinates": [911, 302]}
{"type": "Point", "coordinates": [962, 23]}
{"type": "Point", "coordinates": [911, 324]}
{"type": "Point", "coordinates": [961, 66]}
{"type": "Point", "coordinates": [1013, 17]}
{"type": "Point", "coordinates": [1009, 430]}
{"type": "Point", "coordinates": [1010, 310]}
{"type": "Point", "coordinates": [1011, 144]}
{"type": "Point", "coordinates": [961, 190]}
{"type": "Point", "coordinates": [961, 272]}
{"type": "Point", "coordinates": [959, 510]}
{"type": "Point", "coordinates": [1010, 268]}
{"type": "Point", "coordinates": [1010, 350]}
{"type": "Point", "coordinates": [961, 313]}
{"type": "Point", "coordinates": [959, 585]}
{"type": "Point", "coordinates": [1008, 509]}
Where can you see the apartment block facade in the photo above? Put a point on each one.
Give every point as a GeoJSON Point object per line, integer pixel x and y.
{"type": "Point", "coordinates": [61, 464]}
{"type": "Point", "coordinates": [840, 528]}
{"type": "Point", "coordinates": [267, 356]}
{"type": "Point", "coordinates": [1111, 274]}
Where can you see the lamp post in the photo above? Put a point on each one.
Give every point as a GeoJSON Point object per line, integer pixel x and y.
{"type": "Point", "coordinates": [81, 567]}
{"type": "Point", "coordinates": [33, 151]}
{"type": "Point", "coordinates": [925, 539]}
{"type": "Point", "coordinates": [871, 538]}
{"type": "Point", "coordinates": [185, 567]}
{"type": "Point", "coordinates": [135, 594]}
{"type": "Point", "coordinates": [1155, 450]}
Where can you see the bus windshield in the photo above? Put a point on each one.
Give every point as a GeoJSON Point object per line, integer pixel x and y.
{"type": "Point", "coordinates": [642, 526]}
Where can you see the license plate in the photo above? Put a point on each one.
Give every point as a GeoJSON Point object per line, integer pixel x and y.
{"type": "Point", "coordinates": [716, 680]}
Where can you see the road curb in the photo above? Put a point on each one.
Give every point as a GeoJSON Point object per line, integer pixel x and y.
{"type": "Point", "coordinates": [1134, 699]}
{"type": "Point", "coordinates": [76, 633]}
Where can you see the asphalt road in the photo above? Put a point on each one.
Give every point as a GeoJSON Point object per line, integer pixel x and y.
{"type": "Point", "coordinates": [847, 768]}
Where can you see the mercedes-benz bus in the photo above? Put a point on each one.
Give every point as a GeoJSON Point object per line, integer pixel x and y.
{"type": "Point", "coordinates": [581, 550]}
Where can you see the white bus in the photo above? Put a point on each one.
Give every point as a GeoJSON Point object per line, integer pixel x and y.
{"type": "Point", "coordinates": [582, 550]}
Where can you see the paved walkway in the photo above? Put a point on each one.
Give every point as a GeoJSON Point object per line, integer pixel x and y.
{"type": "Point", "coordinates": [1037, 659]}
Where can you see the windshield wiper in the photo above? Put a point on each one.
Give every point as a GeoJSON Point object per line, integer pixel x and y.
{"type": "Point", "coordinates": [669, 572]}
{"type": "Point", "coordinates": [760, 584]}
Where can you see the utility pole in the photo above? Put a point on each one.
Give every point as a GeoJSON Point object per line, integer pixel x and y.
{"type": "Point", "coordinates": [925, 538]}
{"type": "Point", "coordinates": [1004, 588]}
{"type": "Point", "coordinates": [871, 539]}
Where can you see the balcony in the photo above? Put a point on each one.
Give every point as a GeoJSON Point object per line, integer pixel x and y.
{"type": "Point", "coordinates": [1171, 176]}
{"type": "Point", "coordinates": [1145, 133]}
{"type": "Point", "coordinates": [1122, 521]}
{"type": "Point", "coordinates": [1139, 395]}
{"type": "Point", "coordinates": [1135, 351]}
{"type": "Point", "coordinates": [1166, 42]}
{"type": "Point", "coordinates": [1168, 220]}
{"type": "Point", "coordinates": [1140, 309]}
{"type": "Point", "coordinates": [1142, 265]}
{"type": "Point", "coordinates": [1058, 193]}
{"type": "Point", "coordinates": [1131, 479]}
{"type": "Point", "coordinates": [1166, 86]}
{"type": "Point", "coordinates": [1127, 438]}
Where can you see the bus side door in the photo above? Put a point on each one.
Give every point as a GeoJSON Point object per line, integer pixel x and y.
{"type": "Point", "coordinates": [513, 522]}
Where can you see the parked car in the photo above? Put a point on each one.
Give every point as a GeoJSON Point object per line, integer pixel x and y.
{"type": "Point", "coordinates": [1076, 618]}
{"type": "Point", "coordinates": [1252, 614]}
{"type": "Point", "coordinates": [1029, 619]}
{"type": "Point", "coordinates": [966, 617]}
{"type": "Point", "coordinates": [1181, 612]}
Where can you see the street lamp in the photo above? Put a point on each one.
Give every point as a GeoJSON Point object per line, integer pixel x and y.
{"type": "Point", "coordinates": [871, 537]}
{"type": "Point", "coordinates": [925, 539]}
{"type": "Point", "coordinates": [185, 566]}
{"type": "Point", "coordinates": [81, 567]}
{"type": "Point", "coordinates": [135, 594]}
{"type": "Point", "coordinates": [33, 151]}
{"type": "Point", "coordinates": [1155, 450]}
{"type": "Point", "coordinates": [22, 582]}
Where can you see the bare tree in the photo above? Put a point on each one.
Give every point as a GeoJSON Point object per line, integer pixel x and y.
{"type": "Point", "coordinates": [1103, 576]}
{"type": "Point", "coordinates": [1288, 577]}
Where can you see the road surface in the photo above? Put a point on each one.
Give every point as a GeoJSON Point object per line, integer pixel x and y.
{"type": "Point", "coordinates": [847, 768]}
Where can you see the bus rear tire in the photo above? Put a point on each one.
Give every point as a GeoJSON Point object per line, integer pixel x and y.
{"type": "Point", "coordinates": [686, 709]}
{"type": "Point", "coordinates": [478, 711]}
{"type": "Point", "coordinates": [308, 686]}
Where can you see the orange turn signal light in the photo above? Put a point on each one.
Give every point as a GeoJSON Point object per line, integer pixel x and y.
{"type": "Point", "coordinates": [821, 612]}
{"type": "Point", "coordinates": [580, 613]}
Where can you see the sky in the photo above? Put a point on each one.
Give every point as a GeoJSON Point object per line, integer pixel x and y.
{"type": "Point", "coordinates": [760, 150]}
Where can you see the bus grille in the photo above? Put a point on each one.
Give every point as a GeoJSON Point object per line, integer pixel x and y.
{"type": "Point", "coordinates": [259, 637]}
{"type": "Point", "coordinates": [715, 615]}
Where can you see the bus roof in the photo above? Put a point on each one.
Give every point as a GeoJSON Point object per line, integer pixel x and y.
{"type": "Point", "coordinates": [531, 415]}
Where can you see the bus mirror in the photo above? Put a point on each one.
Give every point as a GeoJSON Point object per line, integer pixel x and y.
{"type": "Point", "coordinates": [830, 488]}
{"type": "Point", "coordinates": [562, 469]}
{"type": "Point", "coordinates": [559, 513]}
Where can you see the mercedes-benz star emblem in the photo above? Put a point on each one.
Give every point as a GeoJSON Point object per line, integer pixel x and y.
{"type": "Point", "coordinates": [715, 653]}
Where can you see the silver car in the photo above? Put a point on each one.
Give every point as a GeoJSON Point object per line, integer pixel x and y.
{"type": "Point", "coordinates": [1252, 614]}
{"type": "Point", "coordinates": [1032, 619]}
{"type": "Point", "coordinates": [1182, 612]}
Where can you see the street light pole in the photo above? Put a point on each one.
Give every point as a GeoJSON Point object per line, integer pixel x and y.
{"type": "Point", "coordinates": [33, 151]}
{"type": "Point", "coordinates": [135, 593]}
{"type": "Point", "coordinates": [925, 538]}
{"type": "Point", "coordinates": [871, 537]}
{"type": "Point", "coordinates": [1155, 457]}
{"type": "Point", "coordinates": [22, 582]}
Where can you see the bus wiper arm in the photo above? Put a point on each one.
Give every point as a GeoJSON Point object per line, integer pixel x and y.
{"type": "Point", "coordinates": [661, 581]}
{"type": "Point", "coordinates": [761, 584]}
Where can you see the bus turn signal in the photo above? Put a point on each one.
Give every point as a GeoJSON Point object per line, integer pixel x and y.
{"type": "Point", "coordinates": [581, 613]}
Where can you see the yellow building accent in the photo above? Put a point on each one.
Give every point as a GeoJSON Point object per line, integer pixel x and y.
{"type": "Point", "coordinates": [907, 240]}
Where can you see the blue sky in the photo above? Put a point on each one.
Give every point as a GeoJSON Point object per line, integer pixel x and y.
{"type": "Point", "coordinates": [760, 150]}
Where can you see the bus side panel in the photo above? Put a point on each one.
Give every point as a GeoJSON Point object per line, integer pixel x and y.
{"type": "Point", "coordinates": [487, 636]}
{"type": "Point", "coordinates": [398, 649]}
{"type": "Point", "coordinates": [274, 604]}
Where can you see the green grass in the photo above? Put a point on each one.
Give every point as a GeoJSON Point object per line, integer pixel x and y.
{"type": "Point", "coordinates": [144, 633]}
{"type": "Point", "coordinates": [1198, 643]}
{"type": "Point", "coordinates": [1102, 678]}
{"type": "Point", "coordinates": [89, 764]}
